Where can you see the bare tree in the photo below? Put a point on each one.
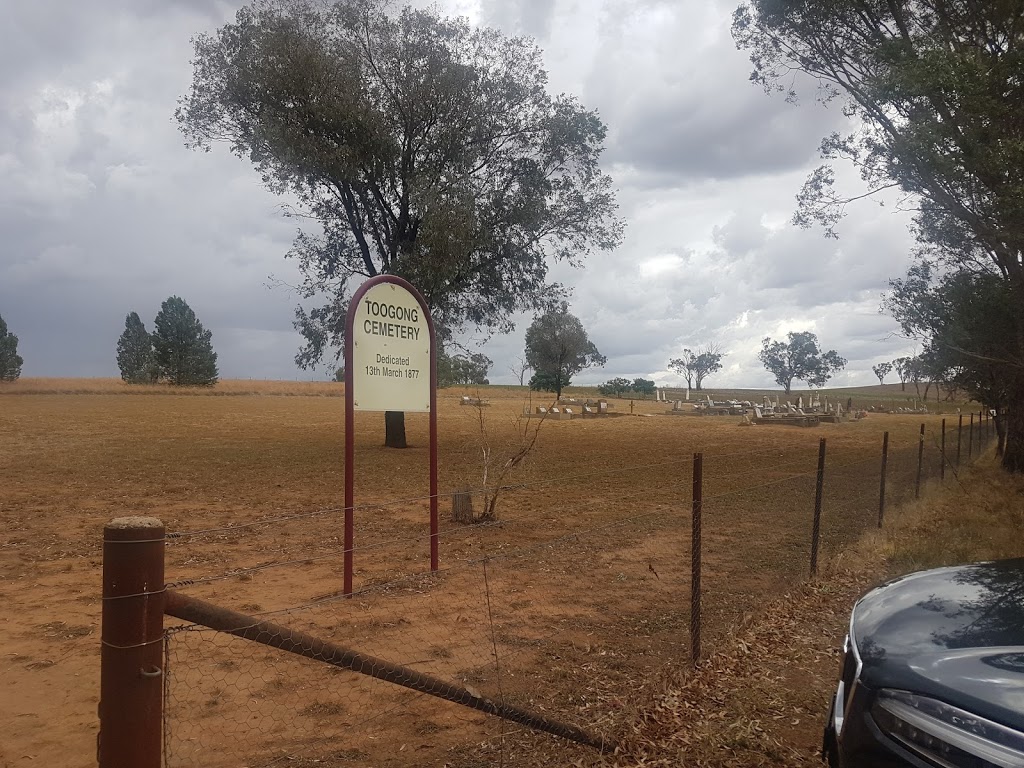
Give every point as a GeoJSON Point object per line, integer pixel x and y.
{"type": "Point", "coordinates": [697, 365]}
{"type": "Point", "coordinates": [498, 459]}
{"type": "Point", "coordinates": [519, 369]}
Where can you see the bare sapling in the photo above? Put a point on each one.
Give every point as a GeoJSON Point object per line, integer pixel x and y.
{"type": "Point", "coordinates": [496, 464]}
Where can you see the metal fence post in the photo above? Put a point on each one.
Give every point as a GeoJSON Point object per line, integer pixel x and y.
{"type": "Point", "coordinates": [816, 529]}
{"type": "Point", "coordinates": [942, 450]}
{"type": "Point", "coordinates": [920, 461]}
{"type": "Point", "coordinates": [959, 435]}
{"type": "Point", "coordinates": [881, 486]}
{"type": "Point", "coordinates": [131, 652]}
{"type": "Point", "coordinates": [970, 438]}
{"type": "Point", "coordinates": [695, 547]}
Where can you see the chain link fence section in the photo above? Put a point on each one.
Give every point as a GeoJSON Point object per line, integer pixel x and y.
{"type": "Point", "coordinates": [563, 605]}
{"type": "Point", "coordinates": [562, 626]}
{"type": "Point", "coordinates": [231, 701]}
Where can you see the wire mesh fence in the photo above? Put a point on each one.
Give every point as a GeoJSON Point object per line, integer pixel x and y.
{"type": "Point", "coordinates": [562, 606]}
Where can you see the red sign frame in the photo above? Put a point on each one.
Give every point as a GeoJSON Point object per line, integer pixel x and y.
{"type": "Point", "coordinates": [350, 423]}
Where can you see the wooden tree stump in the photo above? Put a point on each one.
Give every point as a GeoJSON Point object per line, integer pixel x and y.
{"type": "Point", "coordinates": [462, 506]}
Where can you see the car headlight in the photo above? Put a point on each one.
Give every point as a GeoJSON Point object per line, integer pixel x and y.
{"type": "Point", "coordinates": [945, 735]}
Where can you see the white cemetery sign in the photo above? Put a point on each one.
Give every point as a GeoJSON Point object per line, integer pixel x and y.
{"type": "Point", "coordinates": [390, 351]}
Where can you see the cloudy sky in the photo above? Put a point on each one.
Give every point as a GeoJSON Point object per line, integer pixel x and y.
{"type": "Point", "coordinates": [103, 210]}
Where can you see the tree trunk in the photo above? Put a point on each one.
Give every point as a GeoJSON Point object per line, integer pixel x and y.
{"type": "Point", "coordinates": [462, 506]}
{"type": "Point", "coordinates": [1000, 423]}
{"type": "Point", "coordinates": [903, 386]}
{"type": "Point", "coordinates": [394, 429]}
{"type": "Point", "coordinates": [1013, 442]}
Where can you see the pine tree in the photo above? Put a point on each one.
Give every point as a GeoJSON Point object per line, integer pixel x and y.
{"type": "Point", "coordinates": [135, 352]}
{"type": "Point", "coordinates": [183, 349]}
{"type": "Point", "coordinates": [10, 360]}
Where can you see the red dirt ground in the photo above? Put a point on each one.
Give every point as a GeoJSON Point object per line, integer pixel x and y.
{"type": "Point", "coordinates": [570, 605]}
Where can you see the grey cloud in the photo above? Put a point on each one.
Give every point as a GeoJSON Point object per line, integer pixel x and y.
{"type": "Point", "coordinates": [105, 212]}
{"type": "Point", "coordinates": [675, 94]}
{"type": "Point", "coordinates": [520, 17]}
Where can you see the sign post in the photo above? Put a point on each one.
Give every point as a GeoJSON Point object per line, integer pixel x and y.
{"type": "Point", "coordinates": [390, 365]}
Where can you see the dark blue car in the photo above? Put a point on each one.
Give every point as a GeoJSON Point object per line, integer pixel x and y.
{"type": "Point", "coordinates": [933, 672]}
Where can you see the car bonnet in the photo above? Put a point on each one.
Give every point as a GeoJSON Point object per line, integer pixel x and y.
{"type": "Point", "coordinates": [956, 634]}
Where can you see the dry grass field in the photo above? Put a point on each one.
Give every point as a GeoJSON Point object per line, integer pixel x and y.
{"type": "Point", "coordinates": [572, 603]}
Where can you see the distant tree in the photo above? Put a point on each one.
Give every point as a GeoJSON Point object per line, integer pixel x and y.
{"type": "Point", "coordinates": [135, 352]}
{"type": "Point", "coordinates": [183, 349]}
{"type": "Point", "coordinates": [339, 373]}
{"type": "Point", "coordinates": [799, 358]}
{"type": "Point", "coordinates": [925, 369]}
{"type": "Point", "coordinates": [557, 348]}
{"type": "Point", "coordinates": [643, 387]}
{"type": "Point", "coordinates": [10, 360]}
{"type": "Point", "coordinates": [964, 319]}
{"type": "Point", "coordinates": [419, 145]}
{"type": "Point", "coordinates": [519, 369]}
{"type": "Point", "coordinates": [462, 369]}
{"type": "Point", "coordinates": [697, 365]}
{"type": "Point", "coordinates": [614, 387]}
{"type": "Point", "coordinates": [881, 371]}
{"type": "Point", "coordinates": [548, 382]}
{"type": "Point", "coordinates": [904, 367]}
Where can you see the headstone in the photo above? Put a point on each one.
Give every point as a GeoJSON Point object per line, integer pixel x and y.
{"type": "Point", "coordinates": [800, 403]}
{"type": "Point", "coordinates": [541, 409]}
{"type": "Point", "coordinates": [757, 412]}
{"type": "Point", "coordinates": [602, 406]}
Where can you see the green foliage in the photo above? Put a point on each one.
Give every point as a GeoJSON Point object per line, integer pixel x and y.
{"type": "Point", "coordinates": [695, 366]}
{"type": "Point", "coordinates": [557, 348]}
{"type": "Point", "coordinates": [904, 367]}
{"type": "Point", "coordinates": [881, 370]}
{"type": "Point", "coordinates": [933, 90]}
{"type": "Point", "coordinates": [182, 347]}
{"type": "Point", "coordinates": [643, 387]}
{"type": "Point", "coordinates": [801, 358]}
{"type": "Point", "coordinates": [964, 319]}
{"type": "Point", "coordinates": [462, 369]}
{"type": "Point", "coordinates": [10, 360]}
{"type": "Point", "coordinates": [339, 373]}
{"type": "Point", "coordinates": [135, 352]}
{"type": "Point", "coordinates": [421, 146]}
{"type": "Point", "coordinates": [548, 382]}
{"type": "Point", "coordinates": [615, 387]}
